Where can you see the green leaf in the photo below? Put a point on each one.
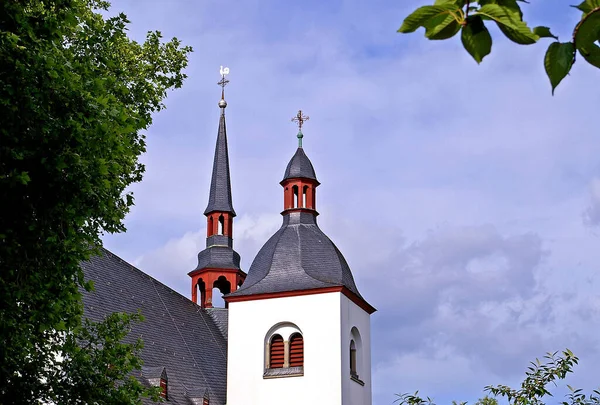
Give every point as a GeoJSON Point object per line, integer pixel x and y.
{"type": "Point", "coordinates": [544, 32]}
{"type": "Point", "coordinates": [584, 6]}
{"type": "Point", "coordinates": [511, 6]}
{"type": "Point", "coordinates": [558, 61]}
{"type": "Point", "coordinates": [422, 15]}
{"type": "Point", "coordinates": [442, 27]}
{"type": "Point", "coordinates": [458, 3]}
{"type": "Point", "coordinates": [509, 23]}
{"type": "Point", "coordinates": [476, 38]}
{"type": "Point", "coordinates": [586, 35]}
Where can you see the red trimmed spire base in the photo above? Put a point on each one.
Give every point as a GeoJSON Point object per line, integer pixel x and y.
{"type": "Point", "coordinates": [204, 280]}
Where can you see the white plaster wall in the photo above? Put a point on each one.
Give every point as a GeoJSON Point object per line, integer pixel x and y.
{"type": "Point", "coordinates": [318, 318]}
{"type": "Point", "coordinates": [354, 316]}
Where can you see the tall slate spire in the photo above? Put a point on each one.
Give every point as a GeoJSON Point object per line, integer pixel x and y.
{"type": "Point", "coordinates": [218, 265]}
{"type": "Point", "coordinates": [220, 186]}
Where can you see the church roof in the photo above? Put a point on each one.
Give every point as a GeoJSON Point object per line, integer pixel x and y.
{"type": "Point", "coordinates": [299, 256]}
{"type": "Point", "coordinates": [179, 336]}
{"type": "Point", "coordinates": [300, 167]}
{"type": "Point", "coordinates": [220, 185]}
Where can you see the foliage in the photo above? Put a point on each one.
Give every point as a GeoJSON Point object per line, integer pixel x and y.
{"type": "Point", "coordinates": [94, 357]}
{"type": "Point", "coordinates": [75, 92]}
{"type": "Point", "coordinates": [535, 386]}
{"type": "Point", "coordinates": [445, 18]}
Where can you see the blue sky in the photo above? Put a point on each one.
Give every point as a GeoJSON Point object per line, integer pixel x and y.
{"type": "Point", "coordinates": [465, 198]}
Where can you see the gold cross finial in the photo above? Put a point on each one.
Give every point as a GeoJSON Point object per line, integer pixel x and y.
{"type": "Point", "coordinates": [300, 119]}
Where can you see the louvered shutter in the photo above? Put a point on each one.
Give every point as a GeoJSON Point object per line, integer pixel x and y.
{"type": "Point", "coordinates": [277, 352]}
{"type": "Point", "coordinates": [296, 351]}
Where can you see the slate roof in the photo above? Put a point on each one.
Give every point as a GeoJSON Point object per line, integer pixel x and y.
{"type": "Point", "coordinates": [299, 256]}
{"type": "Point", "coordinates": [221, 318]}
{"type": "Point", "coordinates": [299, 166]}
{"type": "Point", "coordinates": [218, 257]}
{"type": "Point", "coordinates": [220, 186]}
{"type": "Point", "coordinates": [178, 335]}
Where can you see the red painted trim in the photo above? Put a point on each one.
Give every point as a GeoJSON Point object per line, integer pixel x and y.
{"type": "Point", "coordinates": [286, 182]}
{"type": "Point", "coordinates": [368, 308]}
{"type": "Point", "coordinates": [214, 270]}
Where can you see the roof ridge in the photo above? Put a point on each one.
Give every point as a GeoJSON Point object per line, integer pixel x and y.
{"type": "Point", "coordinates": [267, 273]}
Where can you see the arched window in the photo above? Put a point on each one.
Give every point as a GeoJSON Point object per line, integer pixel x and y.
{"type": "Point", "coordinates": [356, 356]}
{"type": "Point", "coordinates": [277, 352]}
{"type": "Point", "coordinates": [295, 192]}
{"type": "Point", "coordinates": [284, 351]}
{"type": "Point", "coordinates": [304, 191]}
{"type": "Point", "coordinates": [353, 371]}
{"type": "Point", "coordinates": [221, 224]}
{"type": "Point", "coordinates": [296, 350]}
{"type": "Point", "coordinates": [211, 225]}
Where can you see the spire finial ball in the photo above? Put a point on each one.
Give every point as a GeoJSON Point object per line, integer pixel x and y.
{"type": "Point", "coordinates": [222, 103]}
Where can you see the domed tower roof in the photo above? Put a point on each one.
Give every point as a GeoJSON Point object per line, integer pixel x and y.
{"type": "Point", "coordinates": [299, 167]}
{"type": "Point", "coordinates": [299, 256]}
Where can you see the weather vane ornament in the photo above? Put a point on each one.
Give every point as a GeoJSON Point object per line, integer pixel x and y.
{"type": "Point", "coordinates": [299, 119]}
{"type": "Point", "coordinates": [223, 82]}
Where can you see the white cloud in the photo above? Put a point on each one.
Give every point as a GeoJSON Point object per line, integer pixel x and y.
{"type": "Point", "coordinates": [592, 213]}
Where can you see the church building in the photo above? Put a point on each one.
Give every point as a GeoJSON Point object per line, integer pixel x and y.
{"type": "Point", "coordinates": [295, 329]}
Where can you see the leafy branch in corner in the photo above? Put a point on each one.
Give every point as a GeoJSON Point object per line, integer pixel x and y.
{"type": "Point", "coordinates": [535, 386]}
{"type": "Point", "coordinates": [445, 18]}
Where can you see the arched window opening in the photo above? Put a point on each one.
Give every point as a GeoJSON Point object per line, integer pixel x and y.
{"type": "Point", "coordinates": [202, 287]}
{"type": "Point", "coordinates": [356, 356]}
{"type": "Point", "coordinates": [220, 287]}
{"type": "Point", "coordinates": [221, 224]}
{"type": "Point", "coordinates": [217, 299]}
{"type": "Point", "coordinates": [304, 191]}
{"type": "Point", "coordinates": [353, 371]}
{"type": "Point", "coordinates": [277, 352]}
{"type": "Point", "coordinates": [296, 350]}
{"type": "Point", "coordinates": [211, 226]}
{"type": "Point", "coordinates": [295, 192]}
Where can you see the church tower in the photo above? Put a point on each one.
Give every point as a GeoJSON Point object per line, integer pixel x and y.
{"type": "Point", "coordinates": [218, 264]}
{"type": "Point", "coordinates": [299, 330]}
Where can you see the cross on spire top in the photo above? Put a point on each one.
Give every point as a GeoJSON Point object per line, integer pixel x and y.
{"type": "Point", "coordinates": [223, 82]}
{"type": "Point", "coordinates": [300, 119]}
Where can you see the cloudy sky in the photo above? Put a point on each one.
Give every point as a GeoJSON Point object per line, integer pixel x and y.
{"type": "Point", "coordinates": [465, 198]}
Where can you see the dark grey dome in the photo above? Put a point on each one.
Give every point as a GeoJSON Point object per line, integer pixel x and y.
{"type": "Point", "coordinates": [300, 166]}
{"type": "Point", "coordinates": [218, 257]}
{"type": "Point", "coordinates": [299, 256]}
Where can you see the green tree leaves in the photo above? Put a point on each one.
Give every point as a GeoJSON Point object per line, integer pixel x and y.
{"type": "Point", "coordinates": [430, 17]}
{"type": "Point", "coordinates": [544, 32]}
{"type": "Point", "coordinates": [510, 23]}
{"type": "Point", "coordinates": [445, 18]}
{"type": "Point", "coordinates": [538, 376]}
{"type": "Point", "coordinates": [76, 95]}
{"type": "Point", "coordinates": [558, 61]}
{"type": "Point", "coordinates": [476, 38]}
{"type": "Point", "coordinates": [587, 36]}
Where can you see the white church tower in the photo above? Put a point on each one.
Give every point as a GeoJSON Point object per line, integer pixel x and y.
{"type": "Point", "coordinates": [299, 330]}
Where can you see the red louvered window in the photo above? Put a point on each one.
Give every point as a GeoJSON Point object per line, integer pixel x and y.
{"type": "Point", "coordinates": [163, 389]}
{"type": "Point", "coordinates": [277, 352]}
{"type": "Point", "coordinates": [296, 350]}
